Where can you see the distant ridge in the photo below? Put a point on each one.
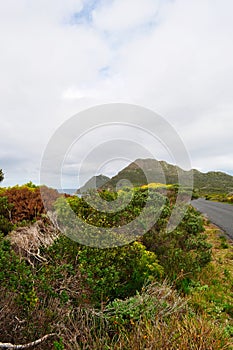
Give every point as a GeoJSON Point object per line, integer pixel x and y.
{"type": "Point", "coordinates": [161, 171]}
{"type": "Point", "coordinates": [94, 182]}
{"type": "Point", "coordinates": [212, 182]}
{"type": "Point", "coordinates": [158, 171]}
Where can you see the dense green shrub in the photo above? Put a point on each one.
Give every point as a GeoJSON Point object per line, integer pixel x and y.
{"type": "Point", "coordinates": [5, 225]}
{"type": "Point", "coordinates": [16, 275]}
{"type": "Point", "coordinates": [136, 198]}
{"type": "Point", "coordinates": [156, 300]}
{"type": "Point", "coordinates": [182, 252]}
{"type": "Point", "coordinates": [105, 273]}
{"type": "Point", "coordinates": [5, 215]}
{"type": "Point", "coordinates": [118, 272]}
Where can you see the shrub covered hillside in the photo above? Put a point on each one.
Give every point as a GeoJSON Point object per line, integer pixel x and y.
{"type": "Point", "coordinates": [71, 296]}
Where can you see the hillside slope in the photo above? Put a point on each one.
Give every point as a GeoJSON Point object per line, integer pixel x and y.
{"type": "Point", "coordinates": [161, 171]}
{"type": "Point", "coordinates": [94, 182]}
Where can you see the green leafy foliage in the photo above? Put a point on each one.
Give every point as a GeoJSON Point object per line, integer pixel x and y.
{"type": "Point", "coordinates": [220, 197]}
{"type": "Point", "coordinates": [155, 299]}
{"type": "Point", "coordinates": [118, 272]}
{"type": "Point", "coordinates": [135, 200]}
{"type": "Point", "coordinates": [5, 215]}
{"type": "Point", "coordinates": [182, 252]}
{"type": "Point", "coordinates": [16, 275]}
{"type": "Point", "coordinates": [104, 273]}
{"type": "Point", "coordinates": [58, 345]}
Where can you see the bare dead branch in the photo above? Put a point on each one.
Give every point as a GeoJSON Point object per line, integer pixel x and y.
{"type": "Point", "coordinates": [26, 346]}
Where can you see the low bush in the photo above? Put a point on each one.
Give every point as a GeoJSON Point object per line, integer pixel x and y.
{"type": "Point", "coordinates": [25, 202]}
{"type": "Point", "coordinates": [5, 210]}
{"type": "Point", "coordinates": [118, 272]}
{"type": "Point", "coordinates": [182, 252]}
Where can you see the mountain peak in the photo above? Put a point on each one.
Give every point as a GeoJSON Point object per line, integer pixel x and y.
{"type": "Point", "coordinates": [160, 171]}
{"type": "Point", "coordinates": [94, 182]}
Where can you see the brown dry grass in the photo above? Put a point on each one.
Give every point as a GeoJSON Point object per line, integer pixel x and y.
{"type": "Point", "coordinates": [27, 241]}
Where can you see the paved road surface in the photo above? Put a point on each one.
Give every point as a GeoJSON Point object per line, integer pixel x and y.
{"type": "Point", "coordinates": [220, 214]}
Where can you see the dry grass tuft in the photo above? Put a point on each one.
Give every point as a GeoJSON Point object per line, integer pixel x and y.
{"type": "Point", "coordinates": [27, 240]}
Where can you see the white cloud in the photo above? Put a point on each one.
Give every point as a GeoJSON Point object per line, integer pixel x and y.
{"type": "Point", "coordinates": [122, 15]}
{"type": "Point", "coordinates": [52, 11]}
{"type": "Point", "coordinates": [58, 57]}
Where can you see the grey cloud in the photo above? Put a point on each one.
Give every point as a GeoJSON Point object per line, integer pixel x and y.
{"type": "Point", "coordinates": [180, 66]}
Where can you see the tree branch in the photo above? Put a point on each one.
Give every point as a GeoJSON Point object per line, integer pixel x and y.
{"type": "Point", "coordinates": [25, 346]}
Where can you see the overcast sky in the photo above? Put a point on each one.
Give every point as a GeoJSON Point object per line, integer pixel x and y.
{"type": "Point", "coordinates": [59, 57]}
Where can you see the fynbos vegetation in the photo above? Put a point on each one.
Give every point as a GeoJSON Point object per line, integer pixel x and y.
{"type": "Point", "coordinates": [70, 296]}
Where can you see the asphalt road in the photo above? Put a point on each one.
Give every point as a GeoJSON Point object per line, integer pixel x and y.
{"type": "Point", "coordinates": [220, 214]}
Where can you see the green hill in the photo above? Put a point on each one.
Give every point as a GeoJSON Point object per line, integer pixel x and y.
{"type": "Point", "coordinates": [94, 182]}
{"type": "Point", "coordinates": [213, 182]}
{"type": "Point", "coordinates": [163, 172]}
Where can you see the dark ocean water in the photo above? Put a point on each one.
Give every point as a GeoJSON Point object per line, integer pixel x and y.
{"type": "Point", "coordinates": [67, 190]}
